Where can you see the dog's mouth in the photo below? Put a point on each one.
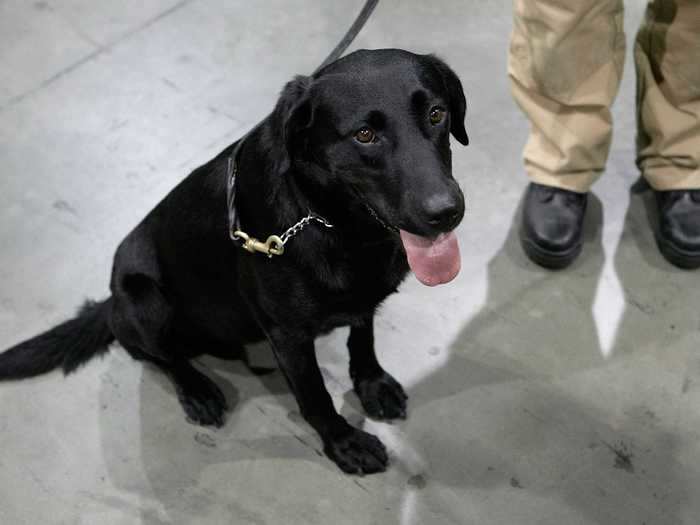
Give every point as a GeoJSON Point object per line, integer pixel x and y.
{"type": "Point", "coordinates": [433, 260]}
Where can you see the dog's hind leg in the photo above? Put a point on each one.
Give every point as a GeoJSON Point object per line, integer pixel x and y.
{"type": "Point", "coordinates": [381, 395]}
{"type": "Point", "coordinates": [203, 401]}
{"type": "Point", "coordinates": [142, 321]}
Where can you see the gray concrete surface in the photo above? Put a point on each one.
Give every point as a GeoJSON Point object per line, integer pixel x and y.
{"type": "Point", "coordinates": [535, 398]}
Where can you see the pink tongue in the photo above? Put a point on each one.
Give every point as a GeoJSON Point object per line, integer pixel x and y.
{"type": "Point", "coordinates": [434, 261]}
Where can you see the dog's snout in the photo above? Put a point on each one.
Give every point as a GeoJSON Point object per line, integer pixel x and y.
{"type": "Point", "coordinates": [444, 211]}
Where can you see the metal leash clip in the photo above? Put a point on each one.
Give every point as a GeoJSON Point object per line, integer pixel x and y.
{"type": "Point", "coordinates": [272, 246]}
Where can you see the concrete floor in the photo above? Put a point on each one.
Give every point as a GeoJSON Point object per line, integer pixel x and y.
{"type": "Point", "coordinates": [535, 397]}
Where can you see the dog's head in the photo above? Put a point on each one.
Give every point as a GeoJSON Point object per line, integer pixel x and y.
{"type": "Point", "coordinates": [377, 124]}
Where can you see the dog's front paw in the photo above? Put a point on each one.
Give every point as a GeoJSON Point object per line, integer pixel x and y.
{"type": "Point", "coordinates": [357, 452]}
{"type": "Point", "coordinates": [382, 397]}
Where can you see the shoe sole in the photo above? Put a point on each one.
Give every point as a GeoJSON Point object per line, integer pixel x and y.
{"type": "Point", "coordinates": [548, 259]}
{"type": "Point", "coordinates": [676, 256]}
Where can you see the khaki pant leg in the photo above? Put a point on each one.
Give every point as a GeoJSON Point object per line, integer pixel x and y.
{"type": "Point", "coordinates": [565, 65]}
{"type": "Point", "coordinates": [667, 57]}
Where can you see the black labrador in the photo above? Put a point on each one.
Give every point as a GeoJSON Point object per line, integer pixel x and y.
{"type": "Point", "coordinates": [362, 146]}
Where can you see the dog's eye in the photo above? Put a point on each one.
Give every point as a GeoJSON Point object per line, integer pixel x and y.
{"type": "Point", "coordinates": [437, 114]}
{"type": "Point", "coordinates": [364, 135]}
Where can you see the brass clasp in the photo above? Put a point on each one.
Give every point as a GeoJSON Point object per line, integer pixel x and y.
{"type": "Point", "coordinates": [272, 246]}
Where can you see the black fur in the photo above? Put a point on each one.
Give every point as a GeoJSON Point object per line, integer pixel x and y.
{"type": "Point", "coordinates": [67, 345]}
{"type": "Point", "coordinates": [181, 288]}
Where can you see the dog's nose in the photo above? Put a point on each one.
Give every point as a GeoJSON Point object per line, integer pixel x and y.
{"type": "Point", "coordinates": [443, 211]}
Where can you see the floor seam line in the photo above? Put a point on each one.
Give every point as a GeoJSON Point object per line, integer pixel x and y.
{"type": "Point", "coordinates": [90, 56]}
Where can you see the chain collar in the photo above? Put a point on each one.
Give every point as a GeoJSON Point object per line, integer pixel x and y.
{"type": "Point", "coordinates": [274, 245]}
{"type": "Point", "coordinates": [386, 226]}
{"type": "Point", "coordinates": [303, 223]}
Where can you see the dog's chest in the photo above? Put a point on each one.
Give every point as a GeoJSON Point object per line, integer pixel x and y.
{"type": "Point", "coordinates": [357, 281]}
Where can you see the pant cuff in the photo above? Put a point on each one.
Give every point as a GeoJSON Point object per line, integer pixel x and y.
{"type": "Point", "coordinates": [667, 178]}
{"type": "Point", "coordinates": [580, 182]}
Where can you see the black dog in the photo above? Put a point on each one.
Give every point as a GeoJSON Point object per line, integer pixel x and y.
{"type": "Point", "coordinates": [363, 144]}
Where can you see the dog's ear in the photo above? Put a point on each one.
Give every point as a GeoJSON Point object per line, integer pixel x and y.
{"type": "Point", "coordinates": [456, 99]}
{"type": "Point", "coordinates": [293, 115]}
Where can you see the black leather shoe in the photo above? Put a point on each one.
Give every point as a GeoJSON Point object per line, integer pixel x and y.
{"type": "Point", "coordinates": [552, 228]}
{"type": "Point", "coordinates": [679, 227]}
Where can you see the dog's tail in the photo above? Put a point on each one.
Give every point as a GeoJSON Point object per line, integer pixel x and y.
{"type": "Point", "coordinates": [67, 345]}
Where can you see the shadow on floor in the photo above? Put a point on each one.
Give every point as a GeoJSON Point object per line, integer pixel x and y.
{"type": "Point", "coordinates": [521, 403]}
